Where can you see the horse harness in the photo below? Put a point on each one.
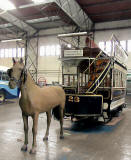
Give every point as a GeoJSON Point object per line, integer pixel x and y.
{"type": "Point", "coordinates": [20, 81]}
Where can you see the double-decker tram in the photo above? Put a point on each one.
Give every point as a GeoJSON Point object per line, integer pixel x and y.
{"type": "Point", "coordinates": [94, 80]}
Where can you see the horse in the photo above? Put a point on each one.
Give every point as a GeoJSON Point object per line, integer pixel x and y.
{"type": "Point", "coordinates": [35, 100]}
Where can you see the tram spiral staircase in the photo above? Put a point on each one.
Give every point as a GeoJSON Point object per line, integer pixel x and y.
{"type": "Point", "coordinates": [98, 70]}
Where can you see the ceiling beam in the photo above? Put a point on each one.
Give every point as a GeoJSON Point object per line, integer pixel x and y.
{"type": "Point", "coordinates": [75, 12]}
{"type": "Point", "coordinates": [70, 8]}
{"type": "Point", "coordinates": [24, 27]}
{"type": "Point", "coordinates": [111, 13]}
{"type": "Point", "coordinates": [97, 4]}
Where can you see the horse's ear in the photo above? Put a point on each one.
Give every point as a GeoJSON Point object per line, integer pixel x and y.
{"type": "Point", "coordinates": [14, 61]}
{"type": "Point", "coordinates": [21, 60]}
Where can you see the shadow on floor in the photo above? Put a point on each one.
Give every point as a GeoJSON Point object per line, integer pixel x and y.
{"type": "Point", "coordinates": [86, 126]}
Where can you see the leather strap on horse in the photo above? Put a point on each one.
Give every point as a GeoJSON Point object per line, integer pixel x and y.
{"type": "Point", "coordinates": [24, 73]}
{"type": "Point", "coordinates": [22, 76]}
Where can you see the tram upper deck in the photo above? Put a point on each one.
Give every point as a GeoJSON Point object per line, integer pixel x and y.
{"type": "Point", "coordinates": [87, 68]}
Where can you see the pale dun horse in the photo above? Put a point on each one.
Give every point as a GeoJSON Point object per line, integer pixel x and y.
{"type": "Point", "coordinates": [35, 100]}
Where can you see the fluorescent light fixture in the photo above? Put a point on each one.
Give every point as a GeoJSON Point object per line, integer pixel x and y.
{"type": "Point", "coordinates": [69, 45]}
{"type": "Point", "coordinates": [38, 1]}
{"type": "Point", "coordinates": [7, 5]}
{"type": "Point", "coordinates": [11, 40]}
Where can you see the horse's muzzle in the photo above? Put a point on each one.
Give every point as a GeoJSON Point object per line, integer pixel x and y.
{"type": "Point", "coordinates": [12, 84]}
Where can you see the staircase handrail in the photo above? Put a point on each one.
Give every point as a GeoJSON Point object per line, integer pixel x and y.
{"type": "Point", "coordinates": [94, 60]}
{"type": "Point", "coordinates": [99, 78]}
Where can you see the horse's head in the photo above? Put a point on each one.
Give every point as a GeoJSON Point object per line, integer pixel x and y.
{"type": "Point", "coordinates": [16, 73]}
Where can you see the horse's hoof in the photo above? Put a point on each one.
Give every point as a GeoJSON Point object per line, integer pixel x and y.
{"type": "Point", "coordinates": [24, 148]}
{"type": "Point", "coordinates": [45, 139]}
{"type": "Point", "coordinates": [61, 137]}
{"type": "Point", "coordinates": [33, 151]}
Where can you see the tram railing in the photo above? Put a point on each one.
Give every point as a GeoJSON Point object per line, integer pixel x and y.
{"type": "Point", "coordinates": [117, 51]}
{"type": "Point", "coordinates": [100, 53]}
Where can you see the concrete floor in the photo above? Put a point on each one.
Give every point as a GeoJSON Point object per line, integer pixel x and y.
{"type": "Point", "coordinates": [82, 142]}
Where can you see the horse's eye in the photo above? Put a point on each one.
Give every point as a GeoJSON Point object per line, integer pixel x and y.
{"type": "Point", "coordinates": [9, 71]}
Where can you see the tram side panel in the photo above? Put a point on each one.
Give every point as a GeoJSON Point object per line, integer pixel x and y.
{"type": "Point", "coordinates": [83, 105]}
{"type": "Point", "coordinates": [118, 87]}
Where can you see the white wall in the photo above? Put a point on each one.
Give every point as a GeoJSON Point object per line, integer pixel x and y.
{"type": "Point", "coordinates": [50, 67]}
{"type": "Point", "coordinates": [6, 61]}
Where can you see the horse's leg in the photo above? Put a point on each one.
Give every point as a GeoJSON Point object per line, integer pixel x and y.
{"type": "Point", "coordinates": [34, 131]}
{"type": "Point", "coordinates": [25, 120]}
{"type": "Point", "coordinates": [48, 125]}
{"type": "Point", "coordinates": [61, 123]}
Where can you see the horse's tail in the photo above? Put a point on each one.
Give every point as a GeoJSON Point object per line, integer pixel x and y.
{"type": "Point", "coordinates": [56, 112]}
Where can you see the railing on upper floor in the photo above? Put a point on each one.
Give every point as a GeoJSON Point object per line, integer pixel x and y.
{"type": "Point", "coordinates": [117, 52]}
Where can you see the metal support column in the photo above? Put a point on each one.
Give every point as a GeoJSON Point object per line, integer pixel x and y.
{"type": "Point", "coordinates": [31, 56]}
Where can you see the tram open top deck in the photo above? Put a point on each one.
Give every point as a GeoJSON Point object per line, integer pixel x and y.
{"type": "Point", "coordinates": [93, 79]}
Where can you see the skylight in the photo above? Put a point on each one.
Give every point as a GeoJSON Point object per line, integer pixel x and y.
{"type": "Point", "coordinates": [7, 5]}
{"type": "Point", "coordinates": [38, 1]}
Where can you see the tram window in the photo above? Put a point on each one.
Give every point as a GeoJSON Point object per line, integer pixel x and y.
{"type": "Point", "coordinates": [125, 80]}
{"type": "Point", "coordinates": [82, 79]}
{"type": "Point", "coordinates": [115, 78]}
{"type": "Point", "coordinates": [118, 77]}
{"type": "Point", "coordinates": [86, 78]}
{"type": "Point", "coordinates": [114, 75]}
{"type": "Point", "coordinates": [122, 80]}
{"type": "Point", "coordinates": [107, 81]}
{"type": "Point", "coordinates": [66, 80]}
{"type": "Point", "coordinates": [75, 80]}
{"type": "Point", "coordinates": [70, 80]}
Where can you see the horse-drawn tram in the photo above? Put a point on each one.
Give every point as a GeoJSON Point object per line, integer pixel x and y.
{"type": "Point", "coordinates": [94, 80]}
